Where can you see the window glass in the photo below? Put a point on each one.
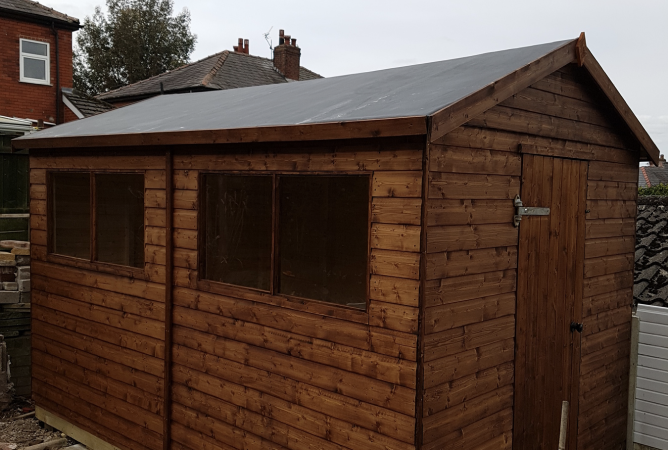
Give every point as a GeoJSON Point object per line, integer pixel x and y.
{"type": "Point", "coordinates": [34, 68]}
{"type": "Point", "coordinates": [323, 228]}
{"type": "Point", "coordinates": [238, 229]}
{"type": "Point", "coordinates": [71, 214]}
{"type": "Point", "coordinates": [119, 218]}
{"type": "Point", "coordinates": [33, 48]}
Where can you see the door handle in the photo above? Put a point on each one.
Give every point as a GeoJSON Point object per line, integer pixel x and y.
{"type": "Point", "coordinates": [577, 327]}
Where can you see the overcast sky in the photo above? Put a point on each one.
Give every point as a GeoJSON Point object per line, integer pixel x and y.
{"type": "Point", "coordinates": [629, 38]}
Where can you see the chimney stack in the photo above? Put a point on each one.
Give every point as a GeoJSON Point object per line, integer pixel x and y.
{"type": "Point", "coordinates": [287, 56]}
{"type": "Point", "coordinates": [662, 160]}
{"type": "Point", "coordinates": [242, 47]}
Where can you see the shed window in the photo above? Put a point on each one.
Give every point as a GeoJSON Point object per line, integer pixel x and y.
{"type": "Point", "coordinates": [116, 235]}
{"type": "Point", "coordinates": [302, 236]}
{"type": "Point", "coordinates": [238, 230]}
{"type": "Point", "coordinates": [119, 218]}
{"type": "Point", "coordinates": [71, 214]}
{"type": "Point", "coordinates": [34, 62]}
{"type": "Point", "coordinates": [323, 225]}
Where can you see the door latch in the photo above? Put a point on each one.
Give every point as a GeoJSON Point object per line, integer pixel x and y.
{"type": "Point", "coordinates": [522, 210]}
{"type": "Point", "coordinates": [577, 327]}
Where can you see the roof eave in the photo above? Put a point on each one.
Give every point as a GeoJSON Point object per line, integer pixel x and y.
{"type": "Point", "coordinates": [460, 112]}
{"type": "Point", "coordinates": [576, 51]}
{"type": "Point", "coordinates": [147, 95]}
{"type": "Point", "coordinates": [392, 127]}
{"type": "Point", "coordinates": [36, 18]}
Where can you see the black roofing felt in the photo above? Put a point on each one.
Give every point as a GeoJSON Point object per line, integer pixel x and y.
{"type": "Point", "coordinates": [651, 258]}
{"type": "Point", "coordinates": [411, 91]}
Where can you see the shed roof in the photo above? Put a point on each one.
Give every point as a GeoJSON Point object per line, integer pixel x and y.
{"type": "Point", "coordinates": [224, 70]}
{"type": "Point", "coordinates": [35, 11]}
{"type": "Point", "coordinates": [387, 102]}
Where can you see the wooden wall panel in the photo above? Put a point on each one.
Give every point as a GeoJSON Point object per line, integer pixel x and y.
{"type": "Point", "coordinates": [98, 337]}
{"type": "Point", "coordinates": [609, 256]}
{"type": "Point", "coordinates": [469, 297]}
{"type": "Point", "coordinates": [300, 374]}
{"type": "Point", "coordinates": [472, 261]}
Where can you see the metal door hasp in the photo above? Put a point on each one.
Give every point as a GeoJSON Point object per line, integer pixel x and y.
{"type": "Point", "coordinates": [522, 210]}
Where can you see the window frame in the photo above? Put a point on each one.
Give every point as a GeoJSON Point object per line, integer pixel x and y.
{"type": "Point", "coordinates": [46, 59]}
{"type": "Point", "coordinates": [90, 263]}
{"type": "Point", "coordinates": [273, 295]}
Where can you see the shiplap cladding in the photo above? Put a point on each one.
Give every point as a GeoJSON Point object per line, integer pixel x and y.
{"type": "Point", "coordinates": [651, 408]}
{"type": "Point", "coordinates": [98, 338]}
{"type": "Point", "coordinates": [474, 173]}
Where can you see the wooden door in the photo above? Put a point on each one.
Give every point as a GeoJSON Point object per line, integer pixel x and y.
{"type": "Point", "coordinates": [549, 298]}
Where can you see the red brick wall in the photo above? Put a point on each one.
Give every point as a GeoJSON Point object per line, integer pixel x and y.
{"type": "Point", "coordinates": [26, 100]}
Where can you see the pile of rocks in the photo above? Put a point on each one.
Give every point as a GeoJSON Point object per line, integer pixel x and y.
{"type": "Point", "coordinates": [15, 272]}
{"type": "Point", "coordinates": [15, 310]}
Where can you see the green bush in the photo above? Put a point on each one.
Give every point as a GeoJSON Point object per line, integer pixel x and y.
{"type": "Point", "coordinates": [660, 189]}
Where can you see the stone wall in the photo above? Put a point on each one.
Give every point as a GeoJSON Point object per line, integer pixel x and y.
{"type": "Point", "coordinates": [15, 310]}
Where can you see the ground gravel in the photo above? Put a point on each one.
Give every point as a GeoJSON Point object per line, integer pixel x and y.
{"type": "Point", "coordinates": [22, 433]}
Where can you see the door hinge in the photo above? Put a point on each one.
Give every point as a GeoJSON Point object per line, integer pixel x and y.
{"type": "Point", "coordinates": [522, 210]}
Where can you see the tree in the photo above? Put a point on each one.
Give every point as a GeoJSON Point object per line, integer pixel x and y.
{"type": "Point", "coordinates": [136, 40]}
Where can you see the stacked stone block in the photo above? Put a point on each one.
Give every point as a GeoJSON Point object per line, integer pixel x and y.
{"type": "Point", "coordinates": [15, 310]}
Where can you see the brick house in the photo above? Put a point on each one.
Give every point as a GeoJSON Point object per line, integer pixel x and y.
{"type": "Point", "coordinates": [36, 56]}
{"type": "Point", "coordinates": [221, 71]}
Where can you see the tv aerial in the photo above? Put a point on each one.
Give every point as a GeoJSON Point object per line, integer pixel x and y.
{"type": "Point", "coordinates": [266, 38]}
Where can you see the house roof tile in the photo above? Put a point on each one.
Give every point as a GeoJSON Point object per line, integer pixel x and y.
{"type": "Point", "coordinates": [88, 106]}
{"type": "Point", "coordinates": [655, 175]}
{"type": "Point", "coordinates": [224, 70]}
{"type": "Point", "coordinates": [34, 9]}
{"type": "Point", "coordinates": [651, 256]}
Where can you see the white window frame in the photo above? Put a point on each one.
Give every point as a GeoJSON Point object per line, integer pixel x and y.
{"type": "Point", "coordinates": [46, 59]}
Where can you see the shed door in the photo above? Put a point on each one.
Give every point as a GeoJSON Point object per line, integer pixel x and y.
{"type": "Point", "coordinates": [549, 298]}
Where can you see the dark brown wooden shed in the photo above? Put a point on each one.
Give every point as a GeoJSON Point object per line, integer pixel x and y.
{"type": "Point", "coordinates": [340, 264]}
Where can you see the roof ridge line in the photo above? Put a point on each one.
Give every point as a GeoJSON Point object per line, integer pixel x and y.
{"type": "Point", "coordinates": [160, 74]}
{"type": "Point", "coordinates": [216, 67]}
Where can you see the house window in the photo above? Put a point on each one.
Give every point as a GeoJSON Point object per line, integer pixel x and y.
{"type": "Point", "coordinates": [34, 62]}
{"type": "Point", "coordinates": [114, 202]}
{"type": "Point", "coordinates": [302, 236]}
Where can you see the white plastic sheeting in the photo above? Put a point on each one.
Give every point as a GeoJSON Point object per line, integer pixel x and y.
{"type": "Point", "coordinates": [651, 404]}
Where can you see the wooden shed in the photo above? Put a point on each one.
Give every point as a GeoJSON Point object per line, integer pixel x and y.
{"type": "Point", "coordinates": [344, 263]}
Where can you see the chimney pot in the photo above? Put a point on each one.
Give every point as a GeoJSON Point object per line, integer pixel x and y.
{"type": "Point", "coordinates": [246, 46]}
{"type": "Point", "coordinates": [287, 56]}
